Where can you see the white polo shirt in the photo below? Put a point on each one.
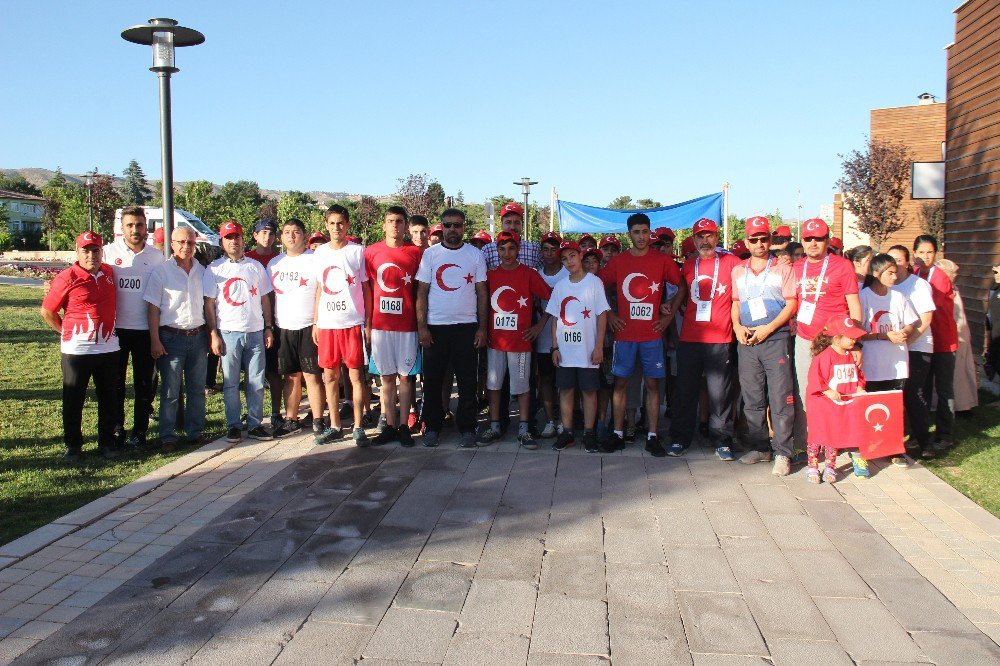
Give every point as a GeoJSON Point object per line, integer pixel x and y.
{"type": "Point", "coordinates": [132, 270]}
{"type": "Point", "coordinates": [178, 294]}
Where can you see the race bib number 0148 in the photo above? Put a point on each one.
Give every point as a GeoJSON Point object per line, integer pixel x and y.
{"type": "Point", "coordinates": [504, 322]}
{"type": "Point", "coordinates": [388, 305]}
{"type": "Point", "coordinates": [640, 311]}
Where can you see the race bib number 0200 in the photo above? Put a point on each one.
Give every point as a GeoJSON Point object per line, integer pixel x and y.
{"type": "Point", "coordinates": [389, 305]}
{"type": "Point", "coordinates": [572, 338]}
{"type": "Point", "coordinates": [504, 322]}
{"type": "Point", "coordinates": [640, 311]}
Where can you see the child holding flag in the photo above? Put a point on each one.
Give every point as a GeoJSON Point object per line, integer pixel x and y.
{"type": "Point", "coordinates": [833, 378]}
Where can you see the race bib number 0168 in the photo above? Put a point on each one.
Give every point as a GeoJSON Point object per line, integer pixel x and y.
{"type": "Point", "coordinates": [504, 322]}
{"type": "Point", "coordinates": [640, 311]}
{"type": "Point", "coordinates": [388, 305]}
{"type": "Point", "coordinates": [571, 338]}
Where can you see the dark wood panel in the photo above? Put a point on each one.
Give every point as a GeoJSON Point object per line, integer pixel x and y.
{"type": "Point", "coordinates": [960, 117]}
{"type": "Point", "coordinates": [974, 88]}
{"type": "Point", "coordinates": [984, 132]}
{"type": "Point", "coordinates": [977, 62]}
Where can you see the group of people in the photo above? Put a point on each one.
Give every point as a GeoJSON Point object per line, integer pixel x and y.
{"type": "Point", "coordinates": [596, 334]}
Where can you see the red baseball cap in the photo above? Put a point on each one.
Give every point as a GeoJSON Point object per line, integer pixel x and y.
{"type": "Point", "coordinates": [665, 232]}
{"type": "Point", "coordinates": [703, 225]}
{"type": "Point", "coordinates": [585, 237]}
{"type": "Point", "coordinates": [569, 245]}
{"type": "Point", "coordinates": [354, 239]}
{"type": "Point", "coordinates": [511, 207]}
{"type": "Point", "coordinates": [552, 237]}
{"type": "Point", "coordinates": [814, 227]}
{"type": "Point", "coordinates": [594, 252]}
{"type": "Point", "coordinates": [89, 238]}
{"type": "Point", "coordinates": [739, 247]}
{"type": "Point", "coordinates": [782, 231]}
{"type": "Point", "coordinates": [437, 229]}
{"type": "Point", "coordinates": [843, 326]}
{"type": "Point", "coordinates": [836, 243]}
{"type": "Point", "coordinates": [505, 237]}
{"type": "Point", "coordinates": [759, 225]}
{"type": "Point", "coordinates": [483, 236]}
{"type": "Point", "coordinates": [687, 246]}
{"type": "Point", "coordinates": [610, 240]}
{"type": "Point", "coordinates": [158, 235]}
{"type": "Point", "coordinates": [318, 237]}
{"type": "Point", "coordinates": [230, 229]}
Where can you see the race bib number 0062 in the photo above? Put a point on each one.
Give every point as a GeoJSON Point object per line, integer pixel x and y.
{"type": "Point", "coordinates": [504, 322]}
{"type": "Point", "coordinates": [640, 311]}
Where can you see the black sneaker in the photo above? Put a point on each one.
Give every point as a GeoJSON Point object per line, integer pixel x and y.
{"type": "Point", "coordinates": [260, 433]}
{"type": "Point", "coordinates": [654, 448]}
{"type": "Point", "coordinates": [234, 434]}
{"type": "Point", "coordinates": [360, 438]}
{"type": "Point", "coordinates": [277, 420]}
{"type": "Point", "coordinates": [563, 441]}
{"type": "Point", "coordinates": [405, 438]}
{"type": "Point", "coordinates": [318, 426]}
{"type": "Point", "coordinates": [307, 420]}
{"type": "Point", "coordinates": [118, 438]}
{"type": "Point", "coordinates": [590, 443]}
{"type": "Point", "coordinates": [389, 434]}
{"type": "Point", "coordinates": [630, 433]}
{"type": "Point", "coordinates": [368, 419]}
{"type": "Point", "coordinates": [614, 443]}
{"type": "Point", "coordinates": [137, 440]}
{"type": "Point", "coordinates": [71, 457]}
{"type": "Point", "coordinates": [489, 435]}
{"type": "Point", "coordinates": [331, 434]}
{"type": "Point", "coordinates": [287, 427]}
{"type": "Point", "coordinates": [110, 454]}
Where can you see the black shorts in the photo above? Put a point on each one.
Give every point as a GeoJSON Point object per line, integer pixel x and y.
{"type": "Point", "coordinates": [544, 364]}
{"type": "Point", "coordinates": [271, 353]}
{"type": "Point", "coordinates": [296, 352]}
{"type": "Point", "coordinates": [583, 379]}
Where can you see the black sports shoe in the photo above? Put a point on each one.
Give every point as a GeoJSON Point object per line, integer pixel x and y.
{"type": "Point", "coordinates": [71, 456]}
{"type": "Point", "coordinates": [110, 454]}
{"type": "Point", "coordinates": [614, 443]}
{"type": "Point", "coordinates": [405, 438]}
{"type": "Point", "coordinates": [137, 440]}
{"type": "Point", "coordinates": [654, 448]}
{"type": "Point", "coordinates": [590, 443]}
{"type": "Point", "coordinates": [388, 434]}
{"type": "Point", "coordinates": [260, 433]}
{"type": "Point", "coordinates": [287, 427]}
{"type": "Point", "coordinates": [234, 434]}
{"type": "Point", "coordinates": [563, 441]}
{"type": "Point", "coordinates": [360, 438]}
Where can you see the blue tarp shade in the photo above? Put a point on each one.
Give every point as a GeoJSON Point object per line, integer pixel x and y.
{"type": "Point", "coordinates": [577, 218]}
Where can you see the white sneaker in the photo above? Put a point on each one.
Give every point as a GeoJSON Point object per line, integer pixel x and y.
{"type": "Point", "coordinates": [753, 457]}
{"type": "Point", "coordinates": [782, 466]}
{"type": "Point", "coordinates": [549, 431]}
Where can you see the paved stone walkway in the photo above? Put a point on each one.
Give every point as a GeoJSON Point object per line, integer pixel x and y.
{"type": "Point", "coordinates": [285, 553]}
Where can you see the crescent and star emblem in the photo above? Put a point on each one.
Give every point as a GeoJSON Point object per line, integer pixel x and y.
{"type": "Point", "coordinates": [875, 318]}
{"type": "Point", "coordinates": [440, 277]}
{"type": "Point", "coordinates": [380, 277]}
{"type": "Point", "coordinates": [812, 226]}
{"type": "Point", "coordinates": [627, 283]}
{"type": "Point", "coordinates": [562, 310]}
{"type": "Point", "coordinates": [495, 300]}
{"type": "Point", "coordinates": [225, 291]}
{"type": "Point", "coordinates": [327, 272]}
{"type": "Point", "coordinates": [877, 407]}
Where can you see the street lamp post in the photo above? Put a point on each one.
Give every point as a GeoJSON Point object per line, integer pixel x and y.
{"type": "Point", "coordinates": [164, 35]}
{"type": "Point", "coordinates": [89, 180]}
{"type": "Point", "coordinates": [526, 184]}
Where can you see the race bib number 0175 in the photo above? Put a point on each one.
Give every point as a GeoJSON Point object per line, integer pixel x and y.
{"type": "Point", "coordinates": [388, 305]}
{"type": "Point", "coordinates": [504, 322]}
{"type": "Point", "coordinates": [640, 311]}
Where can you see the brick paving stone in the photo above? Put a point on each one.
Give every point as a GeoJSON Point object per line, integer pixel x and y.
{"type": "Point", "coordinates": [827, 574]}
{"type": "Point", "coordinates": [549, 659]}
{"type": "Point", "coordinates": [456, 542]}
{"type": "Point", "coordinates": [409, 634]}
{"type": "Point", "coordinates": [437, 586]}
{"type": "Point", "coordinates": [570, 532]}
{"type": "Point", "coordinates": [11, 648]}
{"type": "Point", "coordinates": [957, 647]}
{"type": "Point", "coordinates": [276, 611]}
{"type": "Point", "coordinates": [867, 631]}
{"type": "Point", "coordinates": [783, 609]}
{"type": "Point", "coordinates": [360, 595]}
{"type": "Point", "coordinates": [719, 623]}
{"type": "Point", "coordinates": [796, 531]}
{"type": "Point", "coordinates": [685, 526]}
{"type": "Point", "coordinates": [567, 625]}
{"type": "Point", "coordinates": [791, 652]}
{"type": "Point", "coordinates": [727, 660]}
{"type": "Point", "coordinates": [476, 649]}
{"type": "Point", "coordinates": [870, 554]}
{"type": "Point", "coordinates": [499, 606]}
{"type": "Point", "coordinates": [918, 606]}
{"type": "Point", "coordinates": [701, 568]}
{"type": "Point", "coordinates": [226, 651]}
{"type": "Point", "coordinates": [772, 499]}
{"type": "Point", "coordinates": [37, 629]}
{"type": "Point", "coordinates": [579, 575]}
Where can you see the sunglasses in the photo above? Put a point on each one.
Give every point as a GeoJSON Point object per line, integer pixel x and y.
{"type": "Point", "coordinates": [763, 239]}
{"type": "Point", "coordinates": [449, 225]}
{"type": "Point", "coordinates": [814, 239]}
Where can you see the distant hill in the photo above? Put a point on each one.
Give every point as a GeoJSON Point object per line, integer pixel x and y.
{"type": "Point", "coordinates": [38, 177]}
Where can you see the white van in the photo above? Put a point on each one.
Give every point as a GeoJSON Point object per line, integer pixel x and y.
{"type": "Point", "coordinates": [182, 218]}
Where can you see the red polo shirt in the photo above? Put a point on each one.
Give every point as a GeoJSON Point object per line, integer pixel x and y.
{"type": "Point", "coordinates": [89, 303]}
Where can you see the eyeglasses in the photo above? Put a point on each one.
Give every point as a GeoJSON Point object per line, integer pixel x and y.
{"type": "Point", "coordinates": [814, 239]}
{"type": "Point", "coordinates": [449, 225]}
{"type": "Point", "coordinates": [761, 239]}
{"type": "Point", "coordinates": [182, 242]}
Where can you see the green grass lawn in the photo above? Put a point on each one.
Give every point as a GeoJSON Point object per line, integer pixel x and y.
{"type": "Point", "coordinates": [973, 466]}
{"type": "Point", "coordinates": [35, 486]}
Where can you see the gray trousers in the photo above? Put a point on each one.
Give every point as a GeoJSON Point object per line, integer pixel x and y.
{"type": "Point", "coordinates": [803, 359]}
{"type": "Point", "coordinates": [766, 379]}
{"type": "Point", "coordinates": [714, 362]}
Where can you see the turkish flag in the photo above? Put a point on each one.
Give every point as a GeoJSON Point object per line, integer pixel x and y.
{"type": "Point", "coordinates": [876, 420]}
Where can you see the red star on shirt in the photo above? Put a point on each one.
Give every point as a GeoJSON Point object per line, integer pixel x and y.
{"type": "Point", "coordinates": [303, 282]}
{"type": "Point", "coordinates": [586, 313]}
{"type": "Point", "coordinates": [253, 291]}
{"type": "Point", "coordinates": [350, 280]}
{"type": "Point", "coordinates": [468, 278]}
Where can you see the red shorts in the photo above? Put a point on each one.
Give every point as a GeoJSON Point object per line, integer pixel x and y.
{"type": "Point", "coordinates": [341, 345]}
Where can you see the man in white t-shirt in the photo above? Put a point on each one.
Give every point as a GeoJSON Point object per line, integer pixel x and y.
{"type": "Point", "coordinates": [133, 260]}
{"type": "Point", "coordinates": [920, 347]}
{"type": "Point", "coordinates": [341, 293]}
{"type": "Point", "coordinates": [293, 279]}
{"type": "Point", "coordinates": [241, 325]}
{"type": "Point", "coordinates": [452, 309]}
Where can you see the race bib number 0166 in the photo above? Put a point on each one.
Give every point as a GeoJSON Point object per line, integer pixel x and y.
{"type": "Point", "coordinates": [571, 338]}
{"type": "Point", "coordinates": [643, 311]}
{"type": "Point", "coordinates": [504, 322]}
{"type": "Point", "coordinates": [388, 305]}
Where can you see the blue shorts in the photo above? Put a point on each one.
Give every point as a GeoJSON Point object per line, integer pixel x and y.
{"type": "Point", "coordinates": [649, 355]}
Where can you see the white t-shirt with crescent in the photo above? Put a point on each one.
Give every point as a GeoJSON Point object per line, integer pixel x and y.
{"type": "Point", "coordinates": [294, 282]}
{"type": "Point", "coordinates": [576, 307]}
{"type": "Point", "coordinates": [237, 287]}
{"type": "Point", "coordinates": [339, 273]}
{"type": "Point", "coordinates": [452, 276]}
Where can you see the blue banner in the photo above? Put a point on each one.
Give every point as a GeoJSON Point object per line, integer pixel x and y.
{"type": "Point", "coordinates": [577, 218]}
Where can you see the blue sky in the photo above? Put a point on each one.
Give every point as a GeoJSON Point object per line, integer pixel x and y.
{"type": "Point", "coordinates": [651, 99]}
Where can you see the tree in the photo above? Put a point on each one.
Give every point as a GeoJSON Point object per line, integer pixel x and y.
{"type": "Point", "coordinates": [435, 193]}
{"type": "Point", "coordinates": [647, 203]}
{"type": "Point", "coordinates": [413, 195]}
{"type": "Point", "coordinates": [198, 197]}
{"type": "Point", "coordinates": [268, 210]}
{"type": "Point", "coordinates": [366, 221]}
{"type": "Point", "coordinates": [932, 219]}
{"type": "Point", "coordinates": [104, 199]}
{"type": "Point", "coordinates": [57, 179]}
{"type": "Point", "coordinates": [737, 227]}
{"type": "Point", "coordinates": [135, 189]}
{"type": "Point", "coordinates": [18, 183]}
{"type": "Point", "coordinates": [240, 201]}
{"type": "Point", "coordinates": [624, 202]}
{"type": "Point", "coordinates": [295, 204]}
{"type": "Point", "coordinates": [874, 184]}
{"type": "Point", "coordinates": [459, 199]}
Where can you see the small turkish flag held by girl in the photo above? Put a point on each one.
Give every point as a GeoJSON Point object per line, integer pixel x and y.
{"type": "Point", "coordinates": [876, 420]}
